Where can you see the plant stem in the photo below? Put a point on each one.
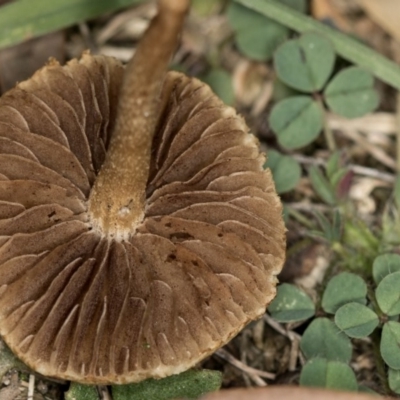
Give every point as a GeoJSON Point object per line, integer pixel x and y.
{"type": "Point", "coordinates": [301, 218]}
{"type": "Point", "coordinates": [350, 49]}
{"type": "Point", "coordinates": [379, 363]}
{"type": "Point", "coordinates": [376, 338]}
{"type": "Point", "coordinates": [330, 139]}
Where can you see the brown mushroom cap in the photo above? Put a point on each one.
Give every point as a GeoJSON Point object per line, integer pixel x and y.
{"type": "Point", "coordinates": [82, 302]}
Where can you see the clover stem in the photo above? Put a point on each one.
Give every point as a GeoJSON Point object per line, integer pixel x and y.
{"type": "Point", "coordinates": [379, 363]}
{"type": "Point", "coordinates": [329, 137]}
{"type": "Point", "coordinates": [117, 199]}
{"type": "Point", "coordinates": [376, 339]}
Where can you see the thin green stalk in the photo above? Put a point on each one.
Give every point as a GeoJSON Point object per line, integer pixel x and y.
{"type": "Point", "coordinates": [350, 49]}
{"type": "Point", "coordinates": [330, 139]}
{"type": "Point", "coordinates": [376, 339]}
{"type": "Point", "coordinates": [379, 363]}
{"type": "Point", "coordinates": [300, 218]}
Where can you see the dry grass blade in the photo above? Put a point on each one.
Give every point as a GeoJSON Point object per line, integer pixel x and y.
{"type": "Point", "coordinates": [373, 150]}
{"type": "Point", "coordinates": [381, 122]}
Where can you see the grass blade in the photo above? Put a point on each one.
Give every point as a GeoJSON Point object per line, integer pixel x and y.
{"type": "Point", "coordinates": [26, 19]}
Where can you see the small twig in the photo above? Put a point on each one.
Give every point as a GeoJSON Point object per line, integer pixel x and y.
{"type": "Point", "coordinates": [309, 160]}
{"type": "Point", "coordinates": [257, 380]}
{"type": "Point", "coordinates": [357, 169]}
{"type": "Point", "coordinates": [291, 335]}
{"type": "Point", "coordinates": [308, 207]}
{"type": "Point", "coordinates": [280, 329]}
{"type": "Point", "coordinates": [225, 355]}
{"type": "Point", "coordinates": [294, 350]}
{"type": "Point", "coordinates": [376, 152]}
{"type": "Point", "coordinates": [121, 53]}
{"type": "Point", "coordinates": [258, 334]}
{"type": "Point", "coordinates": [372, 173]}
{"type": "Point", "coordinates": [31, 387]}
{"type": "Point", "coordinates": [243, 354]}
{"type": "Point", "coordinates": [381, 123]}
{"type": "Point", "coordinates": [140, 14]}
{"type": "Point", "coordinates": [103, 393]}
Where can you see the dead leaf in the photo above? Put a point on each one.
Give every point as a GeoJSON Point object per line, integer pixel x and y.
{"type": "Point", "coordinates": [361, 194]}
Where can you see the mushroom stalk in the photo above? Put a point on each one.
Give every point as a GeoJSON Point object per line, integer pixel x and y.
{"type": "Point", "coordinates": [117, 200]}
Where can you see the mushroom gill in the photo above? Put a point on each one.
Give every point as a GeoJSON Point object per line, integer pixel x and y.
{"type": "Point", "coordinates": [86, 297]}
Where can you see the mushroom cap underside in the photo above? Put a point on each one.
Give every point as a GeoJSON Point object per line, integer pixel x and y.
{"type": "Point", "coordinates": [77, 305]}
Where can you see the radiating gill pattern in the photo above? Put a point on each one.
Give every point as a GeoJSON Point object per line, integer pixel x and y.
{"type": "Point", "coordinates": [200, 266]}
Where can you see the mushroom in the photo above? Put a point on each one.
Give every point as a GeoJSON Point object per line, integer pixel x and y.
{"type": "Point", "coordinates": [138, 229]}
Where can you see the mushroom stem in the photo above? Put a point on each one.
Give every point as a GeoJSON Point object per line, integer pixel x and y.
{"type": "Point", "coordinates": [117, 200]}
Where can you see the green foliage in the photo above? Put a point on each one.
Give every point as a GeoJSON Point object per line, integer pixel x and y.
{"type": "Point", "coordinates": [343, 288]}
{"type": "Point", "coordinates": [81, 392]}
{"type": "Point", "coordinates": [9, 361]}
{"type": "Point", "coordinates": [359, 235]}
{"type": "Point", "coordinates": [322, 186]}
{"type": "Point", "coordinates": [220, 82]}
{"type": "Point", "coordinates": [388, 294]}
{"type": "Point", "coordinates": [333, 164]}
{"type": "Point", "coordinates": [281, 91]}
{"type": "Point", "coordinates": [390, 344]}
{"type": "Point", "coordinates": [296, 121]}
{"type": "Point", "coordinates": [384, 265]}
{"type": "Point", "coordinates": [351, 93]}
{"type": "Point", "coordinates": [305, 63]}
{"type": "Point", "coordinates": [257, 37]}
{"type": "Point", "coordinates": [358, 306]}
{"type": "Point", "coordinates": [291, 304]}
{"type": "Point", "coordinates": [346, 46]}
{"type": "Point", "coordinates": [330, 230]}
{"type": "Point", "coordinates": [24, 19]}
{"type": "Point", "coordinates": [285, 170]}
{"type": "Point", "coordinates": [356, 320]}
{"type": "Point", "coordinates": [189, 385]}
{"type": "Point", "coordinates": [322, 339]}
{"type": "Point", "coordinates": [325, 342]}
{"type": "Point", "coordinates": [319, 372]}
{"type": "Point", "coordinates": [333, 185]}
{"type": "Point", "coordinates": [394, 380]}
